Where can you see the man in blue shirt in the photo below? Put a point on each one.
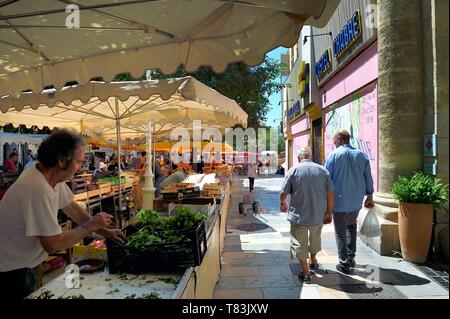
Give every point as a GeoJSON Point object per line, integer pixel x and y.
{"type": "Point", "coordinates": [311, 206]}
{"type": "Point", "coordinates": [350, 171]}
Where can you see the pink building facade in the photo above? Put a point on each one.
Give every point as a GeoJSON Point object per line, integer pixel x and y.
{"type": "Point", "coordinates": [343, 87]}
{"type": "Point", "coordinates": [300, 137]}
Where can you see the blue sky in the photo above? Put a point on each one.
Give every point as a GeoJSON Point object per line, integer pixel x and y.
{"type": "Point", "coordinates": [275, 112]}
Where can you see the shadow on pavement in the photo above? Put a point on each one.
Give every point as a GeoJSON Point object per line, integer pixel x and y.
{"type": "Point", "coordinates": [390, 276]}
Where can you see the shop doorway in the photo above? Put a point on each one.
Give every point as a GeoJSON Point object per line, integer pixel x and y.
{"type": "Point", "coordinates": [317, 140]}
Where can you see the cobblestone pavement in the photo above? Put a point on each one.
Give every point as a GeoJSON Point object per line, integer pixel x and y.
{"type": "Point", "coordinates": [257, 264]}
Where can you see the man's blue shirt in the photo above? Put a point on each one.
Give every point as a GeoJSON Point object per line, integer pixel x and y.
{"type": "Point", "coordinates": [349, 169]}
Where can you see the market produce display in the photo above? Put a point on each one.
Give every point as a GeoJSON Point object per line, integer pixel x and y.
{"type": "Point", "coordinates": [155, 229]}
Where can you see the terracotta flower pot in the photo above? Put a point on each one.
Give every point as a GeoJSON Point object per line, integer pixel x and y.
{"type": "Point", "coordinates": [415, 223]}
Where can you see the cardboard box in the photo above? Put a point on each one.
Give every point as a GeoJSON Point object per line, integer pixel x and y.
{"type": "Point", "coordinates": [212, 187]}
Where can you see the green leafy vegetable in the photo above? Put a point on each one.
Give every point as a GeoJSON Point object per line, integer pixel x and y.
{"type": "Point", "coordinates": [158, 230]}
{"type": "Point", "coordinates": [45, 294]}
{"type": "Point", "coordinates": [152, 295]}
{"type": "Point", "coordinates": [80, 296]}
{"type": "Point", "coordinates": [149, 218]}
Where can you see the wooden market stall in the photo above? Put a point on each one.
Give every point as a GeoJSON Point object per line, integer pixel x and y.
{"type": "Point", "coordinates": [195, 282]}
{"type": "Point", "coordinates": [141, 109]}
{"type": "Point", "coordinates": [199, 282]}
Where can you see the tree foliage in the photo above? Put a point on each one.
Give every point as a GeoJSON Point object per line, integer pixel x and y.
{"type": "Point", "coordinates": [9, 128]}
{"type": "Point", "coordinates": [250, 87]}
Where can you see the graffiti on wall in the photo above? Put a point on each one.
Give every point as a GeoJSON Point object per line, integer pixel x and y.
{"type": "Point", "coordinates": [358, 115]}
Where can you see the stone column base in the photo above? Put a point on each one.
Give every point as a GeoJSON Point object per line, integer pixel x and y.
{"type": "Point", "coordinates": [378, 230]}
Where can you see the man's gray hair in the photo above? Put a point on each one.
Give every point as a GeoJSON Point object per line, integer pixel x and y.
{"type": "Point", "coordinates": [304, 152]}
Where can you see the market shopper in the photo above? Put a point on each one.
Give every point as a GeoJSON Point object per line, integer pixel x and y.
{"type": "Point", "coordinates": [177, 176]}
{"type": "Point", "coordinates": [32, 162]}
{"type": "Point", "coordinates": [161, 160]}
{"type": "Point", "coordinates": [113, 164]}
{"type": "Point", "coordinates": [29, 228]}
{"type": "Point", "coordinates": [11, 163]}
{"type": "Point", "coordinates": [142, 163]}
{"type": "Point", "coordinates": [159, 177]}
{"type": "Point", "coordinates": [251, 175]}
{"type": "Point", "coordinates": [101, 172]}
{"type": "Point", "coordinates": [311, 204]}
{"type": "Point", "coordinates": [28, 157]}
{"type": "Point", "coordinates": [350, 171]}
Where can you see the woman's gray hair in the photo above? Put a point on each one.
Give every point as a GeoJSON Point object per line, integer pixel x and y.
{"type": "Point", "coordinates": [304, 153]}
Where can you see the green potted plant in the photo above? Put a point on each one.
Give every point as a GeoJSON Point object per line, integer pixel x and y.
{"type": "Point", "coordinates": [417, 198]}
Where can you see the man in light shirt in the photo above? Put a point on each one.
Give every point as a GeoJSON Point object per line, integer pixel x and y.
{"type": "Point", "coordinates": [311, 204]}
{"type": "Point", "coordinates": [29, 228]}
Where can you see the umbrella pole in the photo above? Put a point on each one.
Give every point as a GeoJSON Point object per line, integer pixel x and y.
{"type": "Point", "coordinates": [154, 154]}
{"type": "Point", "coordinates": [170, 155]}
{"type": "Point", "coordinates": [149, 189]}
{"type": "Point", "coordinates": [119, 170]}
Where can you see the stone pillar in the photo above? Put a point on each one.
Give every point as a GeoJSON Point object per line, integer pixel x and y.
{"type": "Point", "coordinates": [400, 97]}
{"type": "Point", "coordinates": [400, 105]}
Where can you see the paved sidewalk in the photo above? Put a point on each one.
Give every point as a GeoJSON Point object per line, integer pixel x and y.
{"type": "Point", "coordinates": [257, 264]}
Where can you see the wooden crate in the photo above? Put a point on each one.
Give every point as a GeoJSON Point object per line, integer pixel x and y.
{"type": "Point", "coordinates": [78, 185]}
{"type": "Point", "coordinates": [94, 193]}
{"type": "Point", "coordinates": [81, 196]}
{"type": "Point", "coordinates": [105, 190]}
{"type": "Point", "coordinates": [103, 185]}
{"type": "Point", "coordinates": [124, 187]}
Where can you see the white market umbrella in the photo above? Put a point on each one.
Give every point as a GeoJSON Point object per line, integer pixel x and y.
{"type": "Point", "coordinates": [42, 45]}
{"type": "Point", "coordinates": [122, 109]}
{"type": "Point", "coordinates": [91, 108]}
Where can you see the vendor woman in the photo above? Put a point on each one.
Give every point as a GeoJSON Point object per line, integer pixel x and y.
{"type": "Point", "coordinates": [29, 228]}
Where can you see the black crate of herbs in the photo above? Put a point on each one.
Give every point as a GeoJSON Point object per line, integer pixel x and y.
{"type": "Point", "coordinates": [175, 256]}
